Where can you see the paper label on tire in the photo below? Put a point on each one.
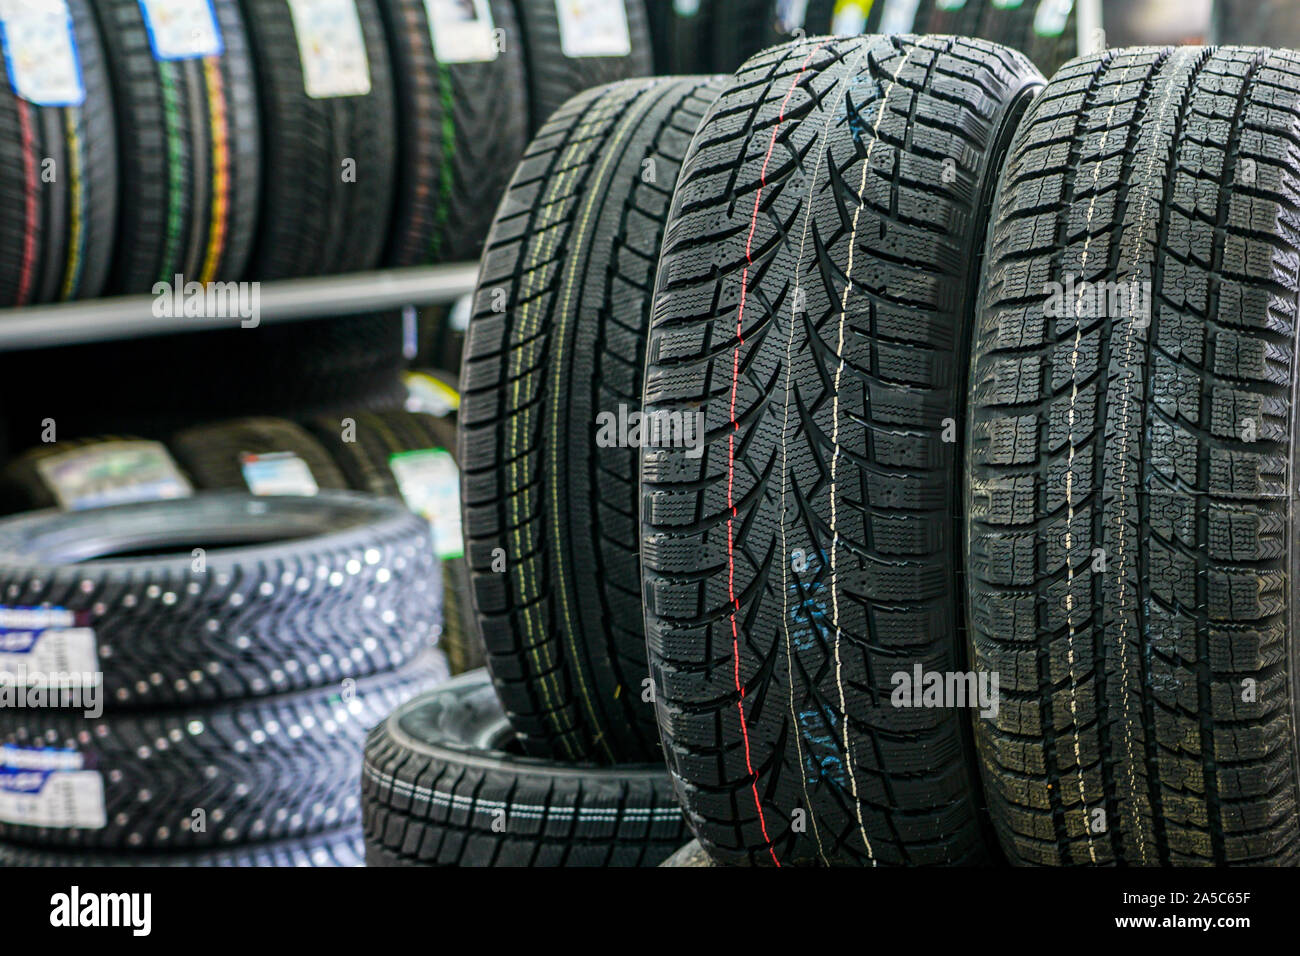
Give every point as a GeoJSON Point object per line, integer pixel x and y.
{"type": "Point", "coordinates": [593, 28]}
{"type": "Point", "coordinates": [463, 31]}
{"type": "Point", "coordinates": [182, 29]}
{"type": "Point", "coordinates": [113, 473]}
{"type": "Point", "coordinates": [40, 52]}
{"type": "Point", "coordinates": [429, 483]}
{"type": "Point", "coordinates": [332, 48]}
{"type": "Point", "coordinates": [899, 16]}
{"type": "Point", "coordinates": [42, 787]}
{"type": "Point", "coordinates": [279, 473]}
{"type": "Point", "coordinates": [67, 651]}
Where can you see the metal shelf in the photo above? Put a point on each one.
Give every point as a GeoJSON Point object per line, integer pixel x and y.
{"type": "Point", "coordinates": [288, 300]}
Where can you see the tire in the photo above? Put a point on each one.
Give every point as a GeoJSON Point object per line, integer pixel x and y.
{"type": "Point", "coordinates": [189, 153]}
{"type": "Point", "coordinates": [563, 622]}
{"type": "Point", "coordinates": [340, 588]}
{"type": "Point", "coordinates": [273, 768]}
{"type": "Point", "coordinates": [366, 463]}
{"type": "Point", "coordinates": [750, 690]}
{"type": "Point", "coordinates": [462, 128]}
{"type": "Point", "coordinates": [440, 782]}
{"type": "Point", "coordinates": [56, 237]}
{"type": "Point", "coordinates": [1129, 546]}
{"type": "Point", "coordinates": [553, 77]}
{"type": "Point", "coordinates": [25, 484]}
{"type": "Point", "coordinates": [331, 849]}
{"type": "Point", "coordinates": [314, 220]}
{"type": "Point", "coordinates": [214, 454]}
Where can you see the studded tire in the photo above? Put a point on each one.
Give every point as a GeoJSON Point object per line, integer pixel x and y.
{"type": "Point", "coordinates": [337, 848]}
{"type": "Point", "coordinates": [271, 768]}
{"type": "Point", "coordinates": [338, 587]}
{"type": "Point", "coordinates": [366, 463]}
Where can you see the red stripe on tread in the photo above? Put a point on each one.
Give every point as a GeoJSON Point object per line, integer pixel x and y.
{"type": "Point", "coordinates": [731, 449]}
{"type": "Point", "coordinates": [27, 270]}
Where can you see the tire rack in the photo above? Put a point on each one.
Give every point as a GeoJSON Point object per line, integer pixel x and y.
{"type": "Point", "coordinates": [287, 300]}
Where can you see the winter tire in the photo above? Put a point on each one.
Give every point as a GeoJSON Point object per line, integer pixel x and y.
{"type": "Point", "coordinates": [287, 593]}
{"type": "Point", "coordinates": [332, 849]}
{"type": "Point", "coordinates": [1132, 464]}
{"type": "Point", "coordinates": [270, 768]}
{"type": "Point", "coordinates": [442, 786]}
{"type": "Point", "coordinates": [815, 296]}
{"type": "Point", "coordinates": [552, 373]}
{"type": "Point", "coordinates": [368, 463]}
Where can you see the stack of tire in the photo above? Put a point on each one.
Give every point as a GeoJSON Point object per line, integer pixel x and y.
{"type": "Point", "coordinates": [1064, 315]}
{"type": "Point", "coordinates": [188, 681]}
{"type": "Point", "coordinates": [551, 758]}
{"type": "Point", "coordinates": [249, 140]}
{"type": "Point", "coordinates": [397, 454]}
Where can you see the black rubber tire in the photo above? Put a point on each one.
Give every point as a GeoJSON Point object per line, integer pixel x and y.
{"type": "Point", "coordinates": [213, 454]}
{"type": "Point", "coordinates": [554, 78]}
{"type": "Point", "coordinates": [24, 488]}
{"type": "Point", "coordinates": [743, 707]}
{"type": "Point", "coordinates": [272, 768]}
{"type": "Point", "coordinates": [462, 128]}
{"type": "Point", "coordinates": [562, 621]}
{"type": "Point", "coordinates": [365, 462]}
{"type": "Point", "coordinates": [1160, 444]}
{"type": "Point", "coordinates": [56, 238]}
{"type": "Point", "coordinates": [189, 153]}
{"type": "Point", "coordinates": [337, 848]}
{"type": "Point", "coordinates": [1273, 23]}
{"type": "Point", "coordinates": [349, 577]}
{"type": "Point", "coordinates": [313, 221]}
{"type": "Point", "coordinates": [440, 788]}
